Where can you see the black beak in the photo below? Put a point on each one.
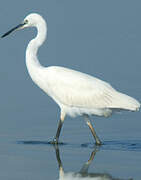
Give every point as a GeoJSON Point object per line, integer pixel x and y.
{"type": "Point", "coordinates": [13, 29]}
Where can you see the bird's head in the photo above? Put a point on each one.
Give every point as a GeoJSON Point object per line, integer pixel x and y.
{"type": "Point", "coordinates": [30, 20]}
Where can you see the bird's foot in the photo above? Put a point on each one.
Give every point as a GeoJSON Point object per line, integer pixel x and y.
{"type": "Point", "coordinates": [55, 141]}
{"type": "Point", "coordinates": [98, 143]}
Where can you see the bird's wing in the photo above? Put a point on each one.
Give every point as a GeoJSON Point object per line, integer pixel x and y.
{"type": "Point", "coordinates": [73, 88]}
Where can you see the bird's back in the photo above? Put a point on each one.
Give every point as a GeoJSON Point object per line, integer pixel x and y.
{"type": "Point", "coordinates": [75, 89]}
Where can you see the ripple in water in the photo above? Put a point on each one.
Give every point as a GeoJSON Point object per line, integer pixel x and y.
{"type": "Point", "coordinates": [122, 145]}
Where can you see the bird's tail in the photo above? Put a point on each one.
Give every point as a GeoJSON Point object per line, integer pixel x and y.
{"type": "Point", "coordinates": [123, 101]}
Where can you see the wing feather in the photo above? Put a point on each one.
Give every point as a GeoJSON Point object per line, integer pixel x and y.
{"type": "Point", "coordinates": [73, 88]}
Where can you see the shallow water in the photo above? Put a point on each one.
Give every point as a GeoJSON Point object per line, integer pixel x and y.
{"type": "Point", "coordinates": [36, 159]}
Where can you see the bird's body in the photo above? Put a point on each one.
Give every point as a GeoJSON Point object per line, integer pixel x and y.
{"type": "Point", "coordinates": [76, 93]}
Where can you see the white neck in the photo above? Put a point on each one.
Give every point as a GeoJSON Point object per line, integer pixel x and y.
{"type": "Point", "coordinates": [32, 62]}
{"type": "Point", "coordinates": [34, 44]}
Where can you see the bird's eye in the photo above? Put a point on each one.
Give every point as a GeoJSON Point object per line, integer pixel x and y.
{"type": "Point", "coordinates": [26, 21]}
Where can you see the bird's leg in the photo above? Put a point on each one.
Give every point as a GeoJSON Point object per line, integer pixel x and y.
{"type": "Point", "coordinates": [58, 131]}
{"type": "Point", "coordinates": [56, 139]}
{"type": "Point", "coordinates": [88, 122]}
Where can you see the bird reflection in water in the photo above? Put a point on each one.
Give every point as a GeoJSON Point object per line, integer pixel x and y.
{"type": "Point", "coordinates": [83, 174]}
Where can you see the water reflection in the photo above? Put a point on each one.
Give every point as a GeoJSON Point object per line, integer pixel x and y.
{"type": "Point", "coordinates": [83, 174]}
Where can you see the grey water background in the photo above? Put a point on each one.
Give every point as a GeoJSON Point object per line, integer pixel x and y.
{"type": "Point", "coordinates": [101, 38]}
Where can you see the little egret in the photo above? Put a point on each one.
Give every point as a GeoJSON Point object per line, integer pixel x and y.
{"type": "Point", "coordinates": [76, 93]}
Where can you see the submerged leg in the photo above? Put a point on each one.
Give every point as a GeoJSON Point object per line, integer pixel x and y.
{"type": "Point", "coordinates": [62, 117]}
{"type": "Point", "coordinates": [88, 122]}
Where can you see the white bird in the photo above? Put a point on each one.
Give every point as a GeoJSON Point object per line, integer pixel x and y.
{"type": "Point", "coordinates": [76, 93]}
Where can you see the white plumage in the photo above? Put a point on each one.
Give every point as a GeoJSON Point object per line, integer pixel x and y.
{"type": "Point", "coordinates": [75, 89]}
{"type": "Point", "coordinates": [76, 93]}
